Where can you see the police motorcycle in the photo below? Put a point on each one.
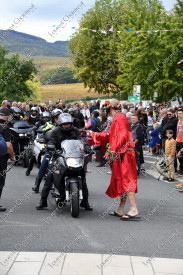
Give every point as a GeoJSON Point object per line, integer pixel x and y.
{"type": "Point", "coordinates": [21, 134]}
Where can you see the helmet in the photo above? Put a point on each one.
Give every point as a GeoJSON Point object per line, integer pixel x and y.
{"type": "Point", "coordinates": [56, 113]}
{"type": "Point", "coordinates": [64, 118]}
{"type": "Point", "coordinates": [77, 109]}
{"type": "Point", "coordinates": [45, 116]}
{"type": "Point", "coordinates": [33, 109]}
{"type": "Point", "coordinates": [71, 110]}
{"type": "Point", "coordinates": [16, 110]}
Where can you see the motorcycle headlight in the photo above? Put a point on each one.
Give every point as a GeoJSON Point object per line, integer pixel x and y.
{"type": "Point", "coordinates": [71, 162]}
{"type": "Point", "coordinates": [21, 135]}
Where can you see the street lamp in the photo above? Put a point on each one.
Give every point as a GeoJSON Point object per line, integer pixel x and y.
{"type": "Point", "coordinates": [180, 63]}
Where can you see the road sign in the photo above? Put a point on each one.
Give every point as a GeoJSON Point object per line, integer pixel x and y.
{"type": "Point", "coordinates": [132, 98]}
{"type": "Point", "coordinates": [137, 95]}
{"type": "Point", "coordinates": [137, 89]}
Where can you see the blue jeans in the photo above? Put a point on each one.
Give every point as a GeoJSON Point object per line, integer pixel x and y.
{"type": "Point", "coordinates": [149, 128]}
{"type": "Point", "coordinates": [43, 167]}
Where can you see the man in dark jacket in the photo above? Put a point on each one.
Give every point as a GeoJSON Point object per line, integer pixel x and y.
{"type": "Point", "coordinates": [137, 134]}
{"type": "Point", "coordinates": [80, 118]}
{"type": "Point", "coordinates": [65, 131]}
{"type": "Point", "coordinates": [170, 123]}
{"type": "Point", "coordinates": [6, 134]}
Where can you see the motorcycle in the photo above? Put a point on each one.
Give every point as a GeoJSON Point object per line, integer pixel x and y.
{"type": "Point", "coordinates": [21, 134]}
{"type": "Point", "coordinates": [68, 165]}
{"type": "Point", "coordinates": [39, 145]}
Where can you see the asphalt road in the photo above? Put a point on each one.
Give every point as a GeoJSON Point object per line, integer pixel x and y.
{"type": "Point", "coordinates": [159, 232]}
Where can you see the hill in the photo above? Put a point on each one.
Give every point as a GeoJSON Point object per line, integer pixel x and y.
{"type": "Point", "coordinates": [25, 43]}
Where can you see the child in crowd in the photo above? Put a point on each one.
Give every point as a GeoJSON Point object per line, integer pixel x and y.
{"type": "Point", "coordinates": [170, 149]}
{"type": "Point", "coordinates": [155, 139]}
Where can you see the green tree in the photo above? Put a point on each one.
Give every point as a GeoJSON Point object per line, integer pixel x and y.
{"type": "Point", "coordinates": [150, 58]}
{"type": "Point", "coordinates": [64, 76]}
{"type": "Point", "coordinates": [13, 76]}
{"type": "Point", "coordinates": [96, 52]}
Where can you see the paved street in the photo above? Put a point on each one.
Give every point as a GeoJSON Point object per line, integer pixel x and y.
{"type": "Point", "coordinates": [26, 229]}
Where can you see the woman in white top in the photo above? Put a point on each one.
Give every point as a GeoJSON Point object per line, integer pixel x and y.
{"type": "Point", "coordinates": [86, 112]}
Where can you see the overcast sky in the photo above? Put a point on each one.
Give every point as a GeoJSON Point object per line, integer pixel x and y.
{"type": "Point", "coordinates": [47, 15]}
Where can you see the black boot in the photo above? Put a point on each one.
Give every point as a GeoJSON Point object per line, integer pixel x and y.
{"type": "Point", "coordinates": [37, 184]}
{"type": "Point", "coordinates": [86, 205]}
{"type": "Point", "coordinates": [42, 204]}
{"type": "Point", "coordinates": [102, 164]}
{"type": "Point", "coordinates": [27, 172]}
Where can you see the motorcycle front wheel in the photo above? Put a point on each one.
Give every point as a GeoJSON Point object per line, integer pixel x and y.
{"type": "Point", "coordinates": [74, 188]}
{"type": "Point", "coordinates": [26, 159]}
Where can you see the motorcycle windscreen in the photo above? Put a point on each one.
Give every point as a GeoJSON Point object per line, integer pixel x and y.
{"type": "Point", "coordinates": [22, 127]}
{"type": "Point", "coordinates": [72, 148]}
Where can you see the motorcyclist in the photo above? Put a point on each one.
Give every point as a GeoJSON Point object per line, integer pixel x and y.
{"type": "Point", "coordinates": [75, 120]}
{"type": "Point", "coordinates": [34, 117]}
{"type": "Point", "coordinates": [16, 115]}
{"type": "Point", "coordinates": [44, 164]}
{"type": "Point", "coordinates": [65, 131]}
{"type": "Point", "coordinates": [46, 124]}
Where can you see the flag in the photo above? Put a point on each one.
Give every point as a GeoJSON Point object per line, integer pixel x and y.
{"type": "Point", "coordinates": [129, 30]}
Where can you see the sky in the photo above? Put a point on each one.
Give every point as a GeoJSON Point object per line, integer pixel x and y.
{"type": "Point", "coordinates": [44, 16]}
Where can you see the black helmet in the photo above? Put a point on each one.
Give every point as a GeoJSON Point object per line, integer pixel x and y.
{"type": "Point", "coordinates": [56, 113]}
{"type": "Point", "coordinates": [15, 110]}
{"type": "Point", "coordinates": [45, 117]}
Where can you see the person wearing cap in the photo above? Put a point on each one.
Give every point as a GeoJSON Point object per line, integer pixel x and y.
{"type": "Point", "coordinates": [121, 153]}
{"type": "Point", "coordinates": [6, 134]}
{"type": "Point", "coordinates": [9, 102]}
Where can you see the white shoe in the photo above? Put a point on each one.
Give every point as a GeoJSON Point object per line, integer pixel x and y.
{"type": "Point", "coordinates": [109, 172]}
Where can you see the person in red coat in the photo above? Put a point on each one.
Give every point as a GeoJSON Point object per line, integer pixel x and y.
{"type": "Point", "coordinates": [123, 183]}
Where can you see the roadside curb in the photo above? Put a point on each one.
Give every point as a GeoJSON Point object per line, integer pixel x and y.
{"type": "Point", "coordinates": [177, 178]}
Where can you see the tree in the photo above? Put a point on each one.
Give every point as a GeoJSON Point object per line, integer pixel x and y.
{"type": "Point", "coordinates": [95, 53]}
{"type": "Point", "coordinates": [116, 61]}
{"type": "Point", "coordinates": [13, 76]}
{"type": "Point", "coordinates": [64, 76]}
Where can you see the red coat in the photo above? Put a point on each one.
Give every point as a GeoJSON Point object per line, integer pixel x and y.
{"type": "Point", "coordinates": [124, 174]}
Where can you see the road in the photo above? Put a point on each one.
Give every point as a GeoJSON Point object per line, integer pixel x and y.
{"type": "Point", "coordinates": [159, 231]}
